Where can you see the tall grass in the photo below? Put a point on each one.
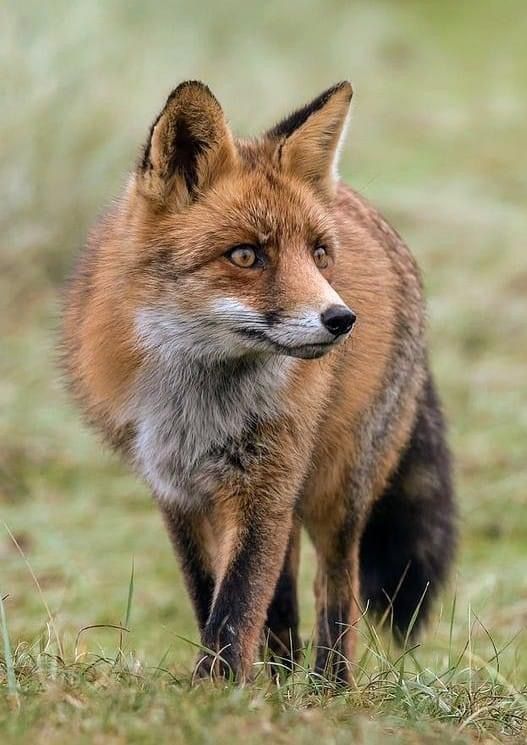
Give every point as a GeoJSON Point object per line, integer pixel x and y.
{"type": "Point", "coordinates": [8, 656]}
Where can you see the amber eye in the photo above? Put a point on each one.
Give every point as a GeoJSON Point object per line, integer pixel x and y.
{"type": "Point", "coordinates": [242, 256]}
{"type": "Point", "coordinates": [321, 257]}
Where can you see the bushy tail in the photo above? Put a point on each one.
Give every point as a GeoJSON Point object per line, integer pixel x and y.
{"type": "Point", "coordinates": [410, 538]}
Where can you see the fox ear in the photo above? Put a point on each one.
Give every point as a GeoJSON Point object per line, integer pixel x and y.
{"type": "Point", "coordinates": [188, 148]}
{"type": "Point", "coordinates": [310, 137]}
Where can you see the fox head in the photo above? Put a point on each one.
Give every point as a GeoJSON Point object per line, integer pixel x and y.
{"type": "Point", "coordinates": [236, 245]}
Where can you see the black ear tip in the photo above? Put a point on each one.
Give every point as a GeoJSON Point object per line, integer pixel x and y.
{"type": "Point", "coordinates": [195, 86]}
{"type": "Point", "coordinates": [295, 120]}
{"type": "Point", "coordinates": [344, 85]}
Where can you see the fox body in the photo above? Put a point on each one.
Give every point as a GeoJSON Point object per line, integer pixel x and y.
{"type": "Point", "coordinates": [249, 333]}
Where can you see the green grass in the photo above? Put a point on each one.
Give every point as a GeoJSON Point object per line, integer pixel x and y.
{"type": "Point", "coordinates": [438, 142]}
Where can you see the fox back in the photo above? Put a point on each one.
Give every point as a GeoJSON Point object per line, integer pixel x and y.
{"type": "Point", "coordinates": [249, 333]}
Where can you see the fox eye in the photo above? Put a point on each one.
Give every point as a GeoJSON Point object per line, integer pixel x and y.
{"type": "Point", "coordinates": [243, 256]}
{"type": "Point", "coordinates": [321, 257]}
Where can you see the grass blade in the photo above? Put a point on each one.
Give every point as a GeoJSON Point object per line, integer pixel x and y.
{"type": "Point", "coordinates": [9, 662]}
{"type": "Point", "coordinates": [130, 597]}
{"type": "Point", "coordinates": [39, 588]}
{"type": "Point", "coordinates": [451, 629]}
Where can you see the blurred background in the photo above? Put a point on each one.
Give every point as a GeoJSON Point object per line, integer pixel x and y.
{"type": "Point", "coordinates": [437, 140]}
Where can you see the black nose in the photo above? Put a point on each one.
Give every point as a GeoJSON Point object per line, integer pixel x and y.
{"type": "Point", "coordinates": [338, 319]}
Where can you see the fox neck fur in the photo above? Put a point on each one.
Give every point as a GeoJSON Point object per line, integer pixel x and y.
{"type": "Point", "coordinates": [186, 409]}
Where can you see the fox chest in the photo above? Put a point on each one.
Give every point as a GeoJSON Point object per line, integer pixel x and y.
{"type": "Point", "coordinates": [195, 428]}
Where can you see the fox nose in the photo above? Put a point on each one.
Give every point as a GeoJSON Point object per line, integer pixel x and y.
{"type": "Point", "coordinates": [338, 319]}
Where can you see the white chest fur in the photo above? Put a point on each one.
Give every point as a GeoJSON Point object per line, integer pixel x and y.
{"type": "Point", "coordinates": [185, 409]}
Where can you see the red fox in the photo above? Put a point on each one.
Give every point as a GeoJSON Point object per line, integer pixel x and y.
{"type": "Point", "coordinates": [249, 333]}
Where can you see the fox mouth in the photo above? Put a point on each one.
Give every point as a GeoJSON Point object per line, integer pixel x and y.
{"type": "Point", "coordinates": [307, 351]}
{"type": "Point", "coordinates": [304, 351]}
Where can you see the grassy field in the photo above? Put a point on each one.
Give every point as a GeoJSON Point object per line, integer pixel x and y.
{"type": "Point", "coordinates": [438, 140]}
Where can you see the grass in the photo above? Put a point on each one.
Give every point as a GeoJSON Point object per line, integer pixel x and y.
{"type": "Point", "coordinates": [113, 691]}
{"type": "Point", "coordinates": [438, 142]}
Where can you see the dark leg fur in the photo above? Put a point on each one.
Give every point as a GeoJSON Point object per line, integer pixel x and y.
{"type": "Point", "coordinates": [331, 661]}
{"type": "Point", "coordinates": [184, 531]}
{"type": "Point", "coordinates": [281, 625]}
{"type": "Point", "coordinates": [410, 538]}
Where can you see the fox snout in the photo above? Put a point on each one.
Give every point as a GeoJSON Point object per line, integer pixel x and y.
{"type": "Point", "coordinates": [312, 334]}
{"type": "Point", "coordinates": [306, 333]}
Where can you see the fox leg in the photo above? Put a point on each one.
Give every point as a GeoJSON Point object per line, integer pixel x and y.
{"type": "Point", "coordinates": [252, 550]}
{"type": "Point", "coordinates": [337, 599]}
{"type": "Point", "coordinates": [282, 636]}
{"type": "Point", "coordinates": [230, 570]}
{"type": "Point", "coordinates": [190, 536]}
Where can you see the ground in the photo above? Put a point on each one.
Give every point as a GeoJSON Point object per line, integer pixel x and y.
{"type": "Point", "coordinates": [437, 140]}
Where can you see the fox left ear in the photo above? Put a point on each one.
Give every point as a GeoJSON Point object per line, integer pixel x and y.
{"type": "Point", "coordinates": [309, 139]}
{"type": "Point", "coordinates": [189, 146]}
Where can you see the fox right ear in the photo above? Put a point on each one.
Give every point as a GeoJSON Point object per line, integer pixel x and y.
{"type": "Point", "coordinates": [188, 148]}
{"type": "Point", "coordinates": [308, 141]}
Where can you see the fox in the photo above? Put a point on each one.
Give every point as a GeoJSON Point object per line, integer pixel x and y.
{"type": "Point", "coordinates": [248, 333]}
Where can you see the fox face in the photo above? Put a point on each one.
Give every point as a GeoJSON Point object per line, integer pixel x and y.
{"type": "Point", "coordinates": [236, 246]}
